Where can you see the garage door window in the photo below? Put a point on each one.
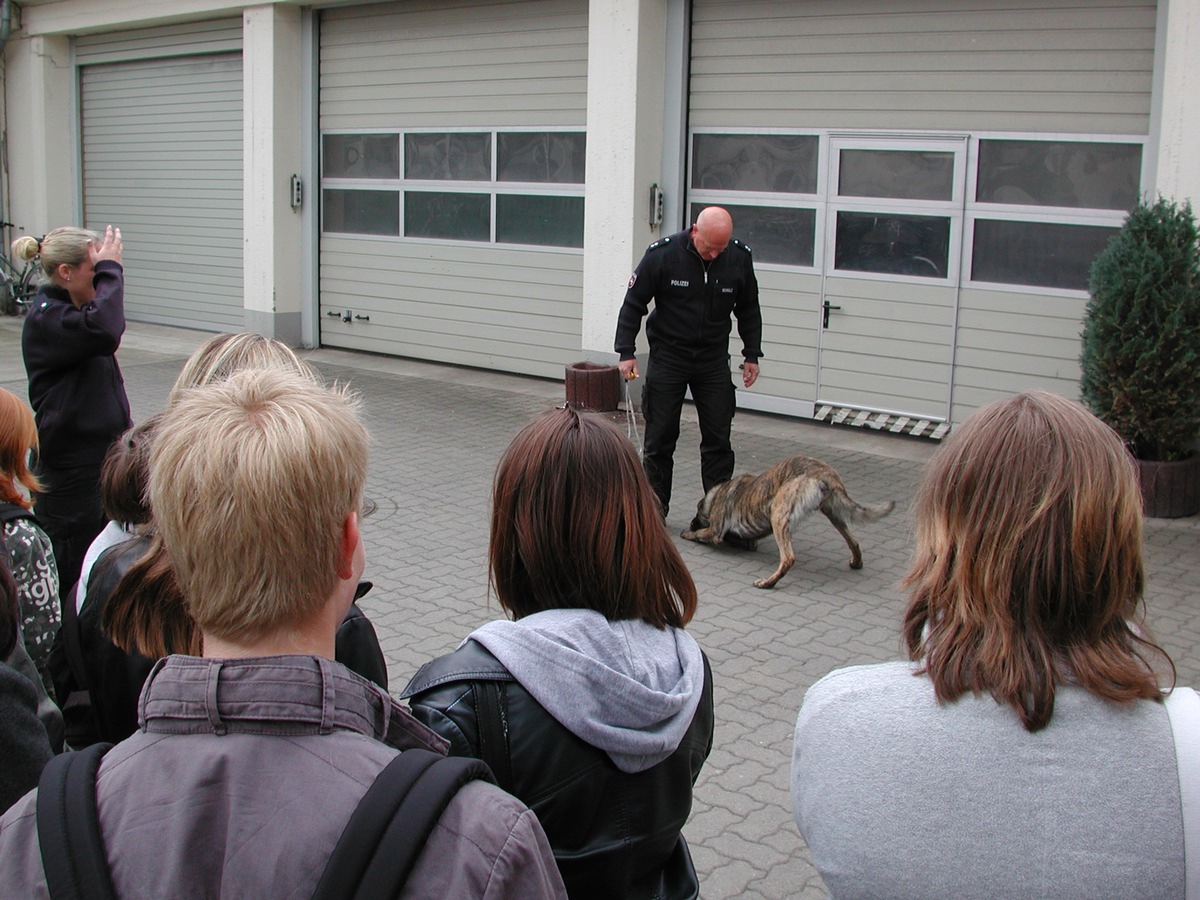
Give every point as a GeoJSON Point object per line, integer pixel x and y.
{"type": "Point", "coordinates": [774, 178]}
{"type": "Point", "coordinates": [1043, 210]}
{"type": "Point", "coordinates": [1018, 210]}
{"type": "Point", "coordinates": [512, 187]}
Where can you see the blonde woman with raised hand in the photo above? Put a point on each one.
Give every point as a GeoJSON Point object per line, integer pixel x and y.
{"type": "Point", "coordinates": [69, 344]}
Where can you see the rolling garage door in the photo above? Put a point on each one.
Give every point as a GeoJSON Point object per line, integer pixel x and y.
{"type": "Point", "coordinates": [452, 173]}
{"type": "Point", "coordinates": [862, 147]}
{"type": "Point", "coordinates": [162, 159]}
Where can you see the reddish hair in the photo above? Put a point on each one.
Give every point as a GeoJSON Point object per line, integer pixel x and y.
{"type": "Point", "coordinates": [18, 435]}
{"type": "Point", "coordinates": [1028, 564]}
{"type": "Point", "coordinates": [575, 525]}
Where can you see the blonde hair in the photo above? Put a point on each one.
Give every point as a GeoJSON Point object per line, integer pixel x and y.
{"type": "Point", "coordinates": [68, 245]}
{"type": "Point", "coordinates": [223, 354]}
{"type": "Point", "coordinates": [251, 481]}
{"type": "Point", "coordinates": [1028, 562]}
{"type": "Point", "coordinates": [18, 435]}
{"type": "Point", "coordinates": [147, 612]}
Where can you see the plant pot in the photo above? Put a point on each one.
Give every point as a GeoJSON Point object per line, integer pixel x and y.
{"type": "Point", "coordinates": [1170, 490]}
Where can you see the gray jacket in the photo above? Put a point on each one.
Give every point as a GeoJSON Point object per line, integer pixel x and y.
{"type": "Point", "coordinates": [244, 773]}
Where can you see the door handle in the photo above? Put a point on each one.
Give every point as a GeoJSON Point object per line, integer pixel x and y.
{"type": "Point", "coordinates": [826, 307]}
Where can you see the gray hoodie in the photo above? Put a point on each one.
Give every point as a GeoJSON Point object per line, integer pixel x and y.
{"type": "Point", "coordinates": [626, 687]}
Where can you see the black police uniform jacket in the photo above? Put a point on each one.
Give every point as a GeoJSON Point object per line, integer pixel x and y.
{"type": "Point", "coordinates": [614, 834]}
{"type": "Point", "coordinates": [693, 302]}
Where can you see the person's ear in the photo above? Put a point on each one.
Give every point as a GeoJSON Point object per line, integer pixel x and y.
{"type": "Point", "coordinates": [348, 546]}
{"type": "Point", "coordinates": [63, 271]}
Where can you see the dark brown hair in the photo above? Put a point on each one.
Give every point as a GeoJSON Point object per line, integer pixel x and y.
{"type": "Point", "coordinates": [125, 474]}
{"type": "Point", "coordinates": [575, 525]}
{"type": "Point", "coordinates": [146, 612]}
{"type": "Point", "coordinates": [1028, 563]}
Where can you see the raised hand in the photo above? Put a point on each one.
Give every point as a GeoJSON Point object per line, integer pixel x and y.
{"type": "Point", "coordinates": [109, 246]}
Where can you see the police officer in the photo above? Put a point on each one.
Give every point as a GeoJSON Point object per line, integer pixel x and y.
{"type": "Point", "coordinates": [696, 279]}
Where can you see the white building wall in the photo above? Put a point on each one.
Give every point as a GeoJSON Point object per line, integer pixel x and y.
{"type": "Point", "coordinates": [274, 251]}
{"type": "Point", "coordinates": [42, 176]}
{"type": "Point", "coordinates": [626, 39]}
{"type": "Point", "coordinates": [1179, 134]}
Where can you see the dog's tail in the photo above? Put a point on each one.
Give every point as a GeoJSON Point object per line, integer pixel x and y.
{"type": "Point", "coordinates": [846, 508]}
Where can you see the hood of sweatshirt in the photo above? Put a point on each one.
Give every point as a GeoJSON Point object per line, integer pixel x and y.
{"type": "Point", "coordinates": [626, 687]}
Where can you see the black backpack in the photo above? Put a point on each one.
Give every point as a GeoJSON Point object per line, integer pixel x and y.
{"type": "Point", "coordinates": [373, 857]}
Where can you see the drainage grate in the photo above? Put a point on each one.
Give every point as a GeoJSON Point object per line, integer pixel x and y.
{"type": "Point", "coordinates": [878, 421]}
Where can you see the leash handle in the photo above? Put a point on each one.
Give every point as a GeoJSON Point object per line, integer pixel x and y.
{"type": "Point", "coordinates": [631, 428]}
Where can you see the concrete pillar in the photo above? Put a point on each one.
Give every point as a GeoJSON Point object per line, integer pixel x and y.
{"type": "Point", "coordinates": [273, 252]}
{"type": "Point", "coordinates": [626, 39]}
{"type": "Point", "coordinates": [40, 176]}
{"type": "Point", "coordinates": [1178, 165]}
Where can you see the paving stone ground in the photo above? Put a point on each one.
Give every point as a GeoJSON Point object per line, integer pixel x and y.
{"type": "Point", "coordinates": [438, 432]}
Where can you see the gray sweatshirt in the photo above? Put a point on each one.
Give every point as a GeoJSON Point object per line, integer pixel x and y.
{"type": "Point", "coordinates": [625, 687]}
{"type": "Point", "coordinates": [898, 796]}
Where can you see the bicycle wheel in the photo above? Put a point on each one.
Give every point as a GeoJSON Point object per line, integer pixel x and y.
{"type": "Point", "coordinates": [8, 295]}
{"type": "Point", "coordinates": [26, 289]}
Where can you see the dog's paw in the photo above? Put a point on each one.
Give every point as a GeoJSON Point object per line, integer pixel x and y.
{"type": "Point", "coordinates": [764, 583]}
{"type": "Point", "coordinates": [689, 535]}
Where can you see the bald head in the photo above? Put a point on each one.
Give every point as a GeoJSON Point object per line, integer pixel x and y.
{"type": "Point", "coordinates": [712, 231]}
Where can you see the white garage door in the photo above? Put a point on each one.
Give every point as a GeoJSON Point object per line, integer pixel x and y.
{"type": "Point", "coordinates": [857, 142]}
{"type": "Point", "coordinates": [162, 159]}
{"type": "Point", "coordinates": [452, 178]}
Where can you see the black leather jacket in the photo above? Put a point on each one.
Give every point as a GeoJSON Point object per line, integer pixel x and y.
{"type": "Point", "coordinates": [614, 834]}
{"type": "Point", "coordinates": [693, 301]}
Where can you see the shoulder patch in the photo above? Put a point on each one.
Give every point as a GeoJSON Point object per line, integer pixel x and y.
{"type": "Point", "coordinates": [661, 242]}
{"type": "Point", "coordinates": [738, 243]}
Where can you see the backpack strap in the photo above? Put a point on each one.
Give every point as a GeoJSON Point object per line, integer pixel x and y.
{"type": "Point", "coordinates": [68, 826]}
{"type": "Point", "coordinates": [1183, 710]}
{"type": "Point", "coordinates": [491, 715]}
{"type": "Point", "coordinates": [388, 830]}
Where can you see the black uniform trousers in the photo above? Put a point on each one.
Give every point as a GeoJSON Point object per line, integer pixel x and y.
{"type": "Point", "coordinates": [667, 381]}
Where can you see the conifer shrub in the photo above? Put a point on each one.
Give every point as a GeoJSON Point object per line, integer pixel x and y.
{"type": "Point", "coordinates": [1141, 335]}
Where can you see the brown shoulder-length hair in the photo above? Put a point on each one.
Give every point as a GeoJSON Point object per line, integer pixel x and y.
{"type": "Point", "coordinates": [575, 525]}
{"type": "Point", "coordinates": [146, 612]}
{"type": "Point", "coordinates": [1028, 563]}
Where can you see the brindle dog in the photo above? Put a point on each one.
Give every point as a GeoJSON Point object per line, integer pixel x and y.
{"type": "Point", "coordinates": [753, 506]}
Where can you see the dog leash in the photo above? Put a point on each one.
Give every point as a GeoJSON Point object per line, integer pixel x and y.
{"type": "Point", "coordinates": [631, 429]}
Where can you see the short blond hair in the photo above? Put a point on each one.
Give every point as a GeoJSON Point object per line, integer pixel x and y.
{"type": "Point", "coordinates": [223, 354]}
{"type": "Point", "coordinates": [251, 481]}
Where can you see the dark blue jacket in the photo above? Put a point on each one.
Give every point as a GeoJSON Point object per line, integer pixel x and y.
{"type": "Point", "coordinates": [75, 385]}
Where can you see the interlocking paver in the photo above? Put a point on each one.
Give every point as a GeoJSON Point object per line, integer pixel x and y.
{"type": "Point", "coordinates": [437, 435]}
